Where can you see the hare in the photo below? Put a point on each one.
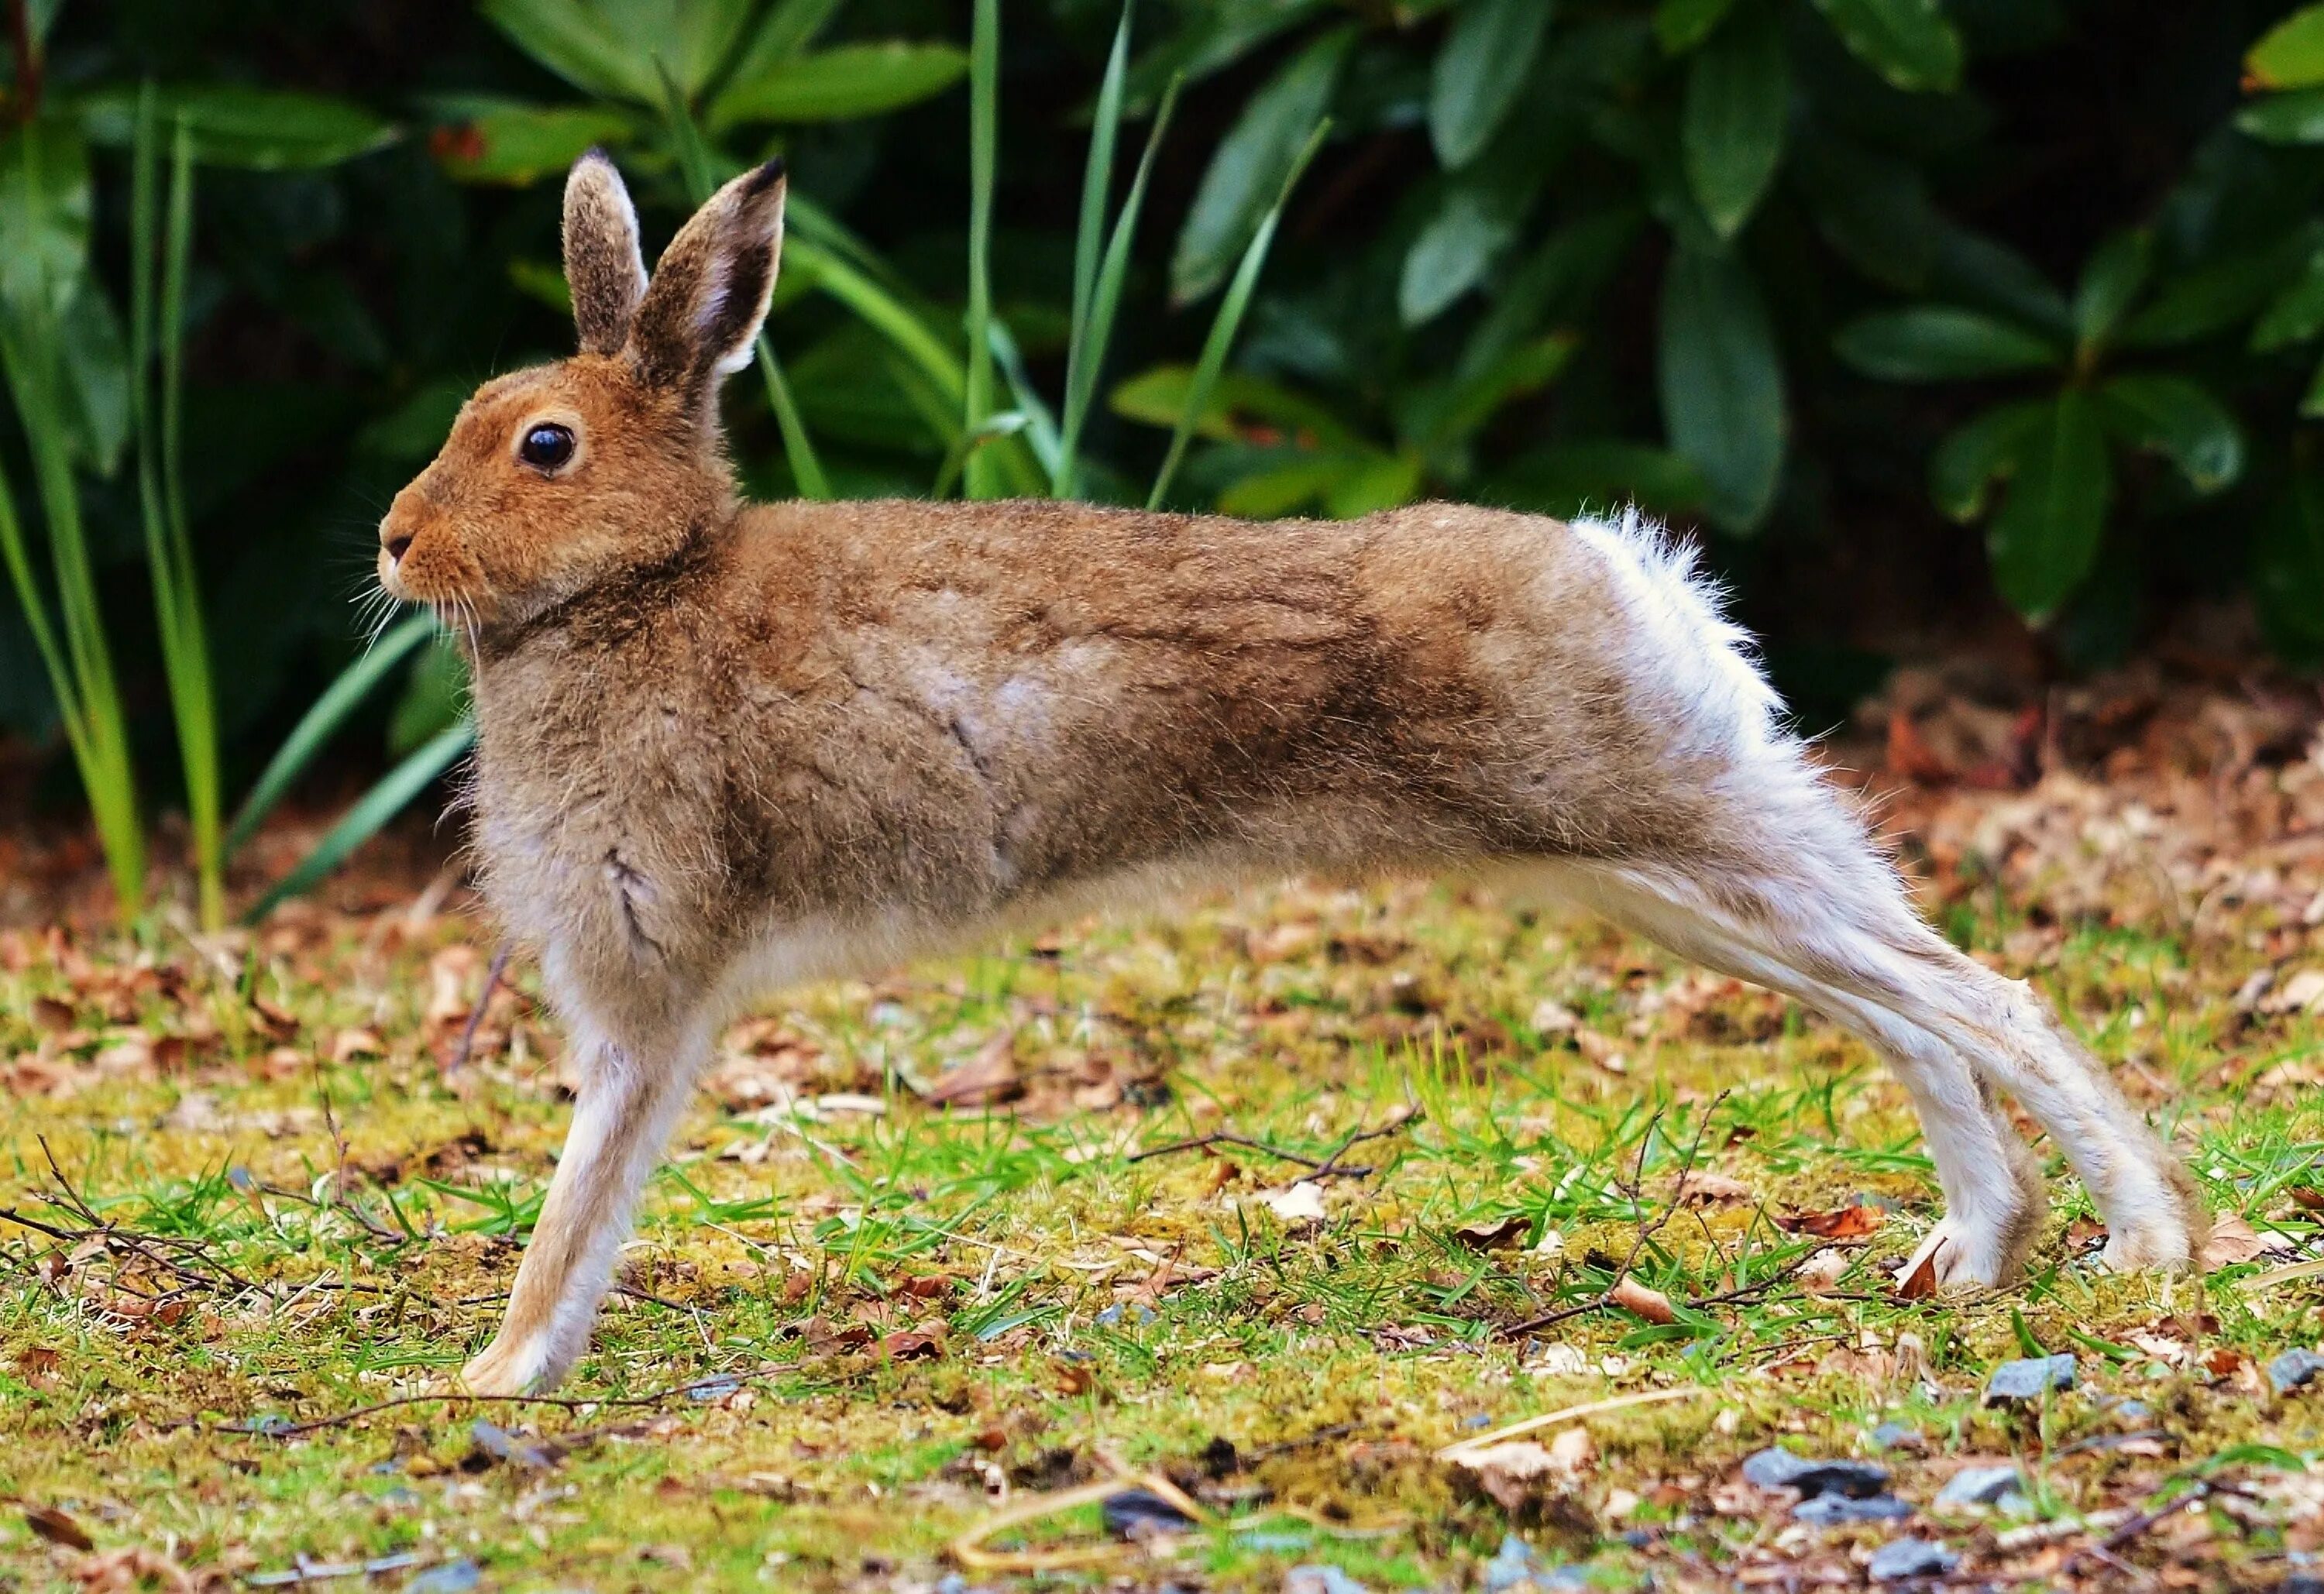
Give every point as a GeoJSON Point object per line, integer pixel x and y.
{"type": "Point", "coordinates": [726, 747]}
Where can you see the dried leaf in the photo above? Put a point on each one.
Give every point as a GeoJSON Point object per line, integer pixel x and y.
{"type": "Point", "coordinates": [985, 1080]}
{"type": "Point", "coordinates": [1708, 1187]}
{"type": "Point", "coordinates": [1649, 1303]}
{"type": "Point", "coordinates": [58, 1528]}
{"type": "Point", "coordinates": [2232, 1240]}
{"type": "Point", "coordinates": [1852, 1222]}
{"type": "Point", "coordinates": [1493, 1236]}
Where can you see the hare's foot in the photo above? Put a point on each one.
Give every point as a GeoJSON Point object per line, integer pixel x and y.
{"type": "Point", "coordinates": [1983, 1244]}
{"type": "Point", "coordinates": [2160, 1225]}
{"type": "Point", "coordinates": [511, 1365]}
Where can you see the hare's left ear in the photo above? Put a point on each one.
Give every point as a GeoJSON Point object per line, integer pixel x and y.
{"type": "Point", "coordinates": [710, 289]}
{"type": "Point", "coordinates": [603, 267]}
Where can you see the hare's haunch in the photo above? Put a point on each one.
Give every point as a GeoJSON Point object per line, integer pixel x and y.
{"type": "Point", "coordinates": [725, 748]}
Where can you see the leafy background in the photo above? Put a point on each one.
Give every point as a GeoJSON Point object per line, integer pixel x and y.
{"type": "Point", "coordinates": [1919, 312]}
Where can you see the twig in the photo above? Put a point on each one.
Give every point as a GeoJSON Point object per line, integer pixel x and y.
{"type": "Point", "coordinates": [492, 976]}
{"type": "Point", "coordinates": [968, 1550]}
{"type": "Point", "coordinates": [1326, 1168]}
{"type": "Point", "coordinates": [1453, 1453]}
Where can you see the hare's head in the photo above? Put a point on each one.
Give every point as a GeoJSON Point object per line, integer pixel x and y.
{"type": "Point", "coordinates": [563, 477]}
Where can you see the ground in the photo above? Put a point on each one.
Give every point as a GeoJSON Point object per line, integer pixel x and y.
{"type": "Point", "coordinates": [936, 1253]}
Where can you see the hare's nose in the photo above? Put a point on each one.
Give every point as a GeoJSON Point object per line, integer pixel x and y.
{"type": "Point", "coordinates": [398, 544]}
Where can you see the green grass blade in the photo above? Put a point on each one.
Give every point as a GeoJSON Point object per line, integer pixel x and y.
{"type": "Point", "coordinates": [1087, 357]}
{"type": "Point", "coordinates": [983, 471]}
{"type": "Point", "coordinates": [1097, 183]}
{"type": "Point", "coordinates": [694, 162]}
{"type": "Point", "coordinates": [322, 722]}
{"type": "Point", "coordinates": [393, 794]}
{"type": "Point", "coordinates": [1229, 319]}
{"type": "Point", "coordinates": [889, 315]}
{"type": "Point", "coordinates": [1040, 427]}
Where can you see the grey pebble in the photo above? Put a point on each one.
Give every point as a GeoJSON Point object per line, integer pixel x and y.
{"type": "Point", "coordinates": [1832, 1510]}
{"type": "Point", "coordinates": [2030, 1378]}
{"type": "Point", "coordinates": [2295, 1368]}
{"type": "Point", "coordinates": [1320, 1580]}
{"type": "Point", "coordinates": [1981, 1485]}
{"type": "Point", "coordinates": [1775, 1468]}
{"type": "Point", "coordinates": [1896, 1436]}
{"type": "Point", "coordinates": [1911, 1558]}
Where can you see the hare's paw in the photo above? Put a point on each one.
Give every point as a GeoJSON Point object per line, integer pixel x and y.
{"type": "Point", "coordinates": [511, 1367]}
{"type": "Point", "coordinates": [2151, 1239]}
{"type": "Point", "coordinates": [1963, 1254]}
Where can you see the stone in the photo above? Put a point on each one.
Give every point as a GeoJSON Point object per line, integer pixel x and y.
{"type": "Point", "coordinates": [1911, 1558]}
{"type": "Point", "coordinates": [2294, 1369]}
{"type": "Point", "coordinates": [1981, 1485]}
{"type": "Point", "coordinates": [2029, 1379]}
{"type": "Point", "coordinates": [1776, 1467]}
{"type": "Point", "coordinates": [1896, 1436]}
{"type": "Point", "coordinates": [1832, 1510]}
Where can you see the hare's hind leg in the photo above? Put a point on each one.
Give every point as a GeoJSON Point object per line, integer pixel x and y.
{"type": "Point", "coordinates": [1994, 1201]}
{"type": "Point", "coordinates": [633, 1091]}
{"type": "Point", "coordinates": [1823, 920]}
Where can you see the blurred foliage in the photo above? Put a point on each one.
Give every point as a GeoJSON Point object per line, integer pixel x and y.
{"type": "Point", "coordinates": [1825, 279]}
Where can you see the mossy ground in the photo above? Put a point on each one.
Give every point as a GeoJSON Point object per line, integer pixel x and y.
{"type": "Point", "coordinates": [935, 1311]}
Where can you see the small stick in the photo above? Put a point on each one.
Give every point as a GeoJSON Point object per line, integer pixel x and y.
{"type": "Point", "coordinates": [492, 976]}
{"type": "Point", "coordinates": [1452, 1452]}
{"type": "Point", "coordinates": [1327, 1167]}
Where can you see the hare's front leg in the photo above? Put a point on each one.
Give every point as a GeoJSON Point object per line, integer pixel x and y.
{"type": "Point", "coordinates": [633, 1090]}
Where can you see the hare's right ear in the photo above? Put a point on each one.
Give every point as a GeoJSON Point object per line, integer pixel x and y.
{"type": "Point", "coordinates": [710, 290]}
{"type": "Point", "coordinates": [603, 267]}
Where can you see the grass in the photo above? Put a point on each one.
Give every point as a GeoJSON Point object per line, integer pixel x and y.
{"type": "Point", "coordinates": [921, 1309]}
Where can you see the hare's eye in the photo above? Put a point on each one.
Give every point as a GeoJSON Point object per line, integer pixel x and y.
{"type": "Point", "coordinates": [547, 447]}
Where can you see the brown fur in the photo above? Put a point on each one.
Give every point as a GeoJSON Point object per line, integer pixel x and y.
{"type": "Point", "coordinates": [721, 744]}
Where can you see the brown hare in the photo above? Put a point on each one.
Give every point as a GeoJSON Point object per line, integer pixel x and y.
{"type": "Point", "coordinates": [725, 747]}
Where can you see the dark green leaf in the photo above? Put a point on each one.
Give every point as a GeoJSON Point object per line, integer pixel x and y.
{"type": "Point", "coordinates": [789, 27]}
{"type": "Point", "coordinates": [1682, 24]}
{"type": "Point", "coordinates": [1940, 343]}
{"type": "Point", "coordinates": [2214, 297]}
{"type": "Point", "coordinates": [2046, 535]}
{"type": "Point", "coordinates": [44, 217]}
{"type": "Point", "coordinates": [2293, 118]}
{"type": "Point", "coordinates": [1739, 95]}
{"type": "Point", "coordinates": [1873, 209]}
{"type": "Point", "coordinates": [1909, 42]}
{"type": "Point", "coordinates": [621, 48]}
{"type": "Point", "coordinates": [1475, 221]}
{"type": "Point", "coordinates": [2297, 313]}
{"type": "Point", "coordinates": [1985, 274]}
{"type": "Point", "coordinates": [1480, 70]}
{"type": "Point", "coordinates": [2311, 403]}
{"type": "Point", "coordinates": [1722, 385]}
{"type": "Point", "coordinates": [1245, 175]}
{"type": "Point", "coordinates": [2113, 277]}
{"type": "Point", "coordinates": [2291, 54]}
{"type": "Point", "coordinates": [1972, 455]}
{"type": "Point", "coordinates": [844, 81]}
{"type": "Point", "coordinates": [95, 400]}
{"type": "Point", "coordinates": [2178, 421]}
{"type": "Point", "coordinates": [1557, 283]}
{"type": "Point", "coordinates": [483, 138]}
{"type": "Point", "coordinates": [262, 129]}
{"type": "Point", "coordinates": [1444, 415]}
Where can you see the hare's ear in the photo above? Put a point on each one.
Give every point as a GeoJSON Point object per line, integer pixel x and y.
{"type": "Point", "coordinates": [602, 263]}
{"type": "Point", "coordinates": [710, 287]}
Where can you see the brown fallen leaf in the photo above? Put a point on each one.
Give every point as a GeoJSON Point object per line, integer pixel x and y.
{"type": "Point", "coordinates": [1707, 1187]}
{"type": "Point", "coordinates": [1514, 1473]}
{"type": "Point", "coordinates": [912, 1343]}
{"type": "Point", "coordinates": [1493, 1236]}
{"type": "Point", "coordinates": [51, 1015]}
{"type": "Point", "coordinates": [128, 1569]}
{"type": "Point", "coordinates": [58, 1528]}
{"type": "Point", "coordinates": [985, 1080]}
{"type": "Point", "coordinates": [1649, 1303]}
{"type": "Point", "coordinates": [1840, 1224]}
{"type": "Point", "coordinates": [2232, 1240]}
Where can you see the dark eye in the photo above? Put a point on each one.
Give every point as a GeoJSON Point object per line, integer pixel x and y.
{"type": "Point", "coordinates": [547, 447]}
